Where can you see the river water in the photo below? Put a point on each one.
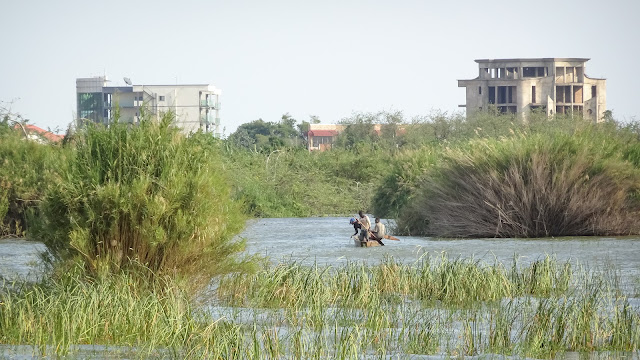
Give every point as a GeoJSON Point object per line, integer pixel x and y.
{"type": "Point", "coordinates": [326, 241]}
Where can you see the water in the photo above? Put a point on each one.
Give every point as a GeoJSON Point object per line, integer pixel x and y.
{"type": "Point", "coordinates": [327, 241]}
{"type": "Point", "coordinates": [20, 259]}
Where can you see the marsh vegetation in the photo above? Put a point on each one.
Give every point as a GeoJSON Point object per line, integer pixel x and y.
{"type": "Point", "coordinates": [436, 305]}
{"type": "Point", "coordinates": [138, 220]}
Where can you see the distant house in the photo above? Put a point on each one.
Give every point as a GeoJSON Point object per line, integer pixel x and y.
{"type": "Point", "coordinates": [321, 137]}
{"type": "Point", "coordinates": [38, 134]}
{"type": "Point", "coordinates": [550, 85]}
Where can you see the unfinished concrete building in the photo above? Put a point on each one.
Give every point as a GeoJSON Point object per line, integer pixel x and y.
{"type": "Point", "coordinates": [550, 85]}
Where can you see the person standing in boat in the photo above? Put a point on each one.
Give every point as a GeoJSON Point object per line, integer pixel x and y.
{"type": "Point", "coordinates": [379, 231]}
{"type": "Point", "coordinates": [365, 224]}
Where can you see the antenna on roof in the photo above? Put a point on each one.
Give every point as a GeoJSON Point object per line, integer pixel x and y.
{"type": "Point", "coordinates": [127, 80]}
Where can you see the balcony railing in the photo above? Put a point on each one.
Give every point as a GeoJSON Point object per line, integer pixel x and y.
{"type": "Point", "coordinates": [210, 104]}
{"type": "Point", "coordinates": [210, 120]}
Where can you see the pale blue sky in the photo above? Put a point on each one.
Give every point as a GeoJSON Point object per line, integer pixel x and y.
{"type": "Point", "coordinates": [324, 58]}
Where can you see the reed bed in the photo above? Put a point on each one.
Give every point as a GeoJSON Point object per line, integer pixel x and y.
{"type": "Point", "coordinates": [438, 306]}
{"type": "Point", "coordinates": [429, 280]}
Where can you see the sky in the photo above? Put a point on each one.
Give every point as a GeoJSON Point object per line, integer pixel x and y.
{"type": "Point", "coordinates": [327, 58]}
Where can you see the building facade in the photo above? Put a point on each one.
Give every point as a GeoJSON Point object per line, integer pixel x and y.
{"type": "Point", "coordinates": [550, 85]}
{"type": "Point", "coordinates": [320, 137]}
{"type": "Point", "coordinates": [196, 106]}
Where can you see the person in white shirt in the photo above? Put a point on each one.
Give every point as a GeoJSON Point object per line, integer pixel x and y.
{"type": "Point", "coordinates": [379, 231]}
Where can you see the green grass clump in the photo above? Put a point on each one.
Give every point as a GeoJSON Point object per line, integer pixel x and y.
{"type": "Point", "coordinates": [142, 195]}
{"type": "Point", "coordinates": [155, 319]}
{"type": "Point", "coordinates": [400, 181]}
{"type": "Point", "coordinates": [456, 282]}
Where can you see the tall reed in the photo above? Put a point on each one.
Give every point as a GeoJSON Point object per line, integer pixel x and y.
{"type": "Point", "coordinates": [294, 311]}
{"type": "Point", "coordinates": [457, 282]}
{"type": "Point", "coordinates": [142, 194]}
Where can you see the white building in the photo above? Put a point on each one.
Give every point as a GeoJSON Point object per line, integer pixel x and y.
{"type": "Point", "coordinates": [196, 106]}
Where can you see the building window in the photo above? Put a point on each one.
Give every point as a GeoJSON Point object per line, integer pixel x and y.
{"type": "Point", "coordinates": [533, 94]}
{"type": "Point", "coordinates": [534, 72]}
{"type": "Point", "coordinates": [506, 94]}
{"type": "Point", "coordinates": [161, 98]}
{"type": "Point", "coordinates": [480, 90]}
{"type": "Point", "coordinates": [593, 91]}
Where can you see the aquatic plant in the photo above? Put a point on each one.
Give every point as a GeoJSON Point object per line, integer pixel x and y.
{"type": "Point", "coordinates": [353, 311]}
{"type": "Point", "coordinates": [142, 194]}
{"type": "Point", "coordinates": [457, 282]}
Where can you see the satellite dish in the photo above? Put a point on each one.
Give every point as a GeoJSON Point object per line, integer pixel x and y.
{"type": "Point", "coordinates": [127, 80]}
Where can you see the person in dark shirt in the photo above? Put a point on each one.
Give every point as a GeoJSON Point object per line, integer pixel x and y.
{"type": "Point", "coordinates": [356, 225]}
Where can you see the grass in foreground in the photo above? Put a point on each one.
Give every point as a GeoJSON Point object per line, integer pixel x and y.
{"type": "Point", "coordinates": [439, 306]}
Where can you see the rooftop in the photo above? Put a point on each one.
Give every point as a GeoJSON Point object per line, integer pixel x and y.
{"type": "Point", "coordinates": [532, 60]}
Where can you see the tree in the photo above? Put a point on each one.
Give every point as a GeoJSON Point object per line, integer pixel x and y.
{"type": "Point", "coordinates": [304, 127]}
{"type": "Point", "coordinates": [267, 136]}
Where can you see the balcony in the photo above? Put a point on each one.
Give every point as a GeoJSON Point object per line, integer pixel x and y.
{"type": "Point", "coordinates": [209, 120]}
{"type": "Point", "coordinates": [210, 104]}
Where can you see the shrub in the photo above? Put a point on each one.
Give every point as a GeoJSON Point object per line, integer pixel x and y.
{"type": "Point", "coordinates": [26, 170]}
{"type": "Point", "coordinates": [142, 195]}
{"type": "Point", "coordinates": [398, 187]}
{"type": "Point", "coordinates": [534, 186]}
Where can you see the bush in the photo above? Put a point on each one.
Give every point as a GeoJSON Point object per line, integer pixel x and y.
{"type": "Point", "coordinates": [27, 168]}
{"type": "Point", "coordinates": [297, 183]}
{"type": "Point", "coordinates": [142, 195]}
{"type": "Point", "coordinates": [398, 187]}
{"type": "Point", "coordinates": [533, 186]}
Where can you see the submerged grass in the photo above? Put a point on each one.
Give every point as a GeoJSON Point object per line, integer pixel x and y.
{"type": "Point", "coordinates": [437, 306]}
{"type": "Point", "coordinates": [455, 282]}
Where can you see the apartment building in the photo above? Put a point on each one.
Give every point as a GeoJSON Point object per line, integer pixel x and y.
{"type": "Point", "coordinates": [196, 106]}
{"type": "Point", "coordinates": [550, 85]}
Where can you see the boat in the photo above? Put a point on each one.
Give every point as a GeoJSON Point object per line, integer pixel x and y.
{"type": "Point", "coordinates": [370, 243]}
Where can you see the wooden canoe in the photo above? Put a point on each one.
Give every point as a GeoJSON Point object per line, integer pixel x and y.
{"type": "Point", "coordinates": [370, 243]}
{"type": "Point", "coordinates": [358, 243]}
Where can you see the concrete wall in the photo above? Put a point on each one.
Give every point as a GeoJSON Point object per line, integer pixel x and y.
{"type": "Point", "coordinates": [545, 74]}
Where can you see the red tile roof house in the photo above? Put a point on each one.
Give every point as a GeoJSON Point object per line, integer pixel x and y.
{"type": "Point", "coordinates": [38, 134]}
{"type": "Point", "coordinates": [320, 137]}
